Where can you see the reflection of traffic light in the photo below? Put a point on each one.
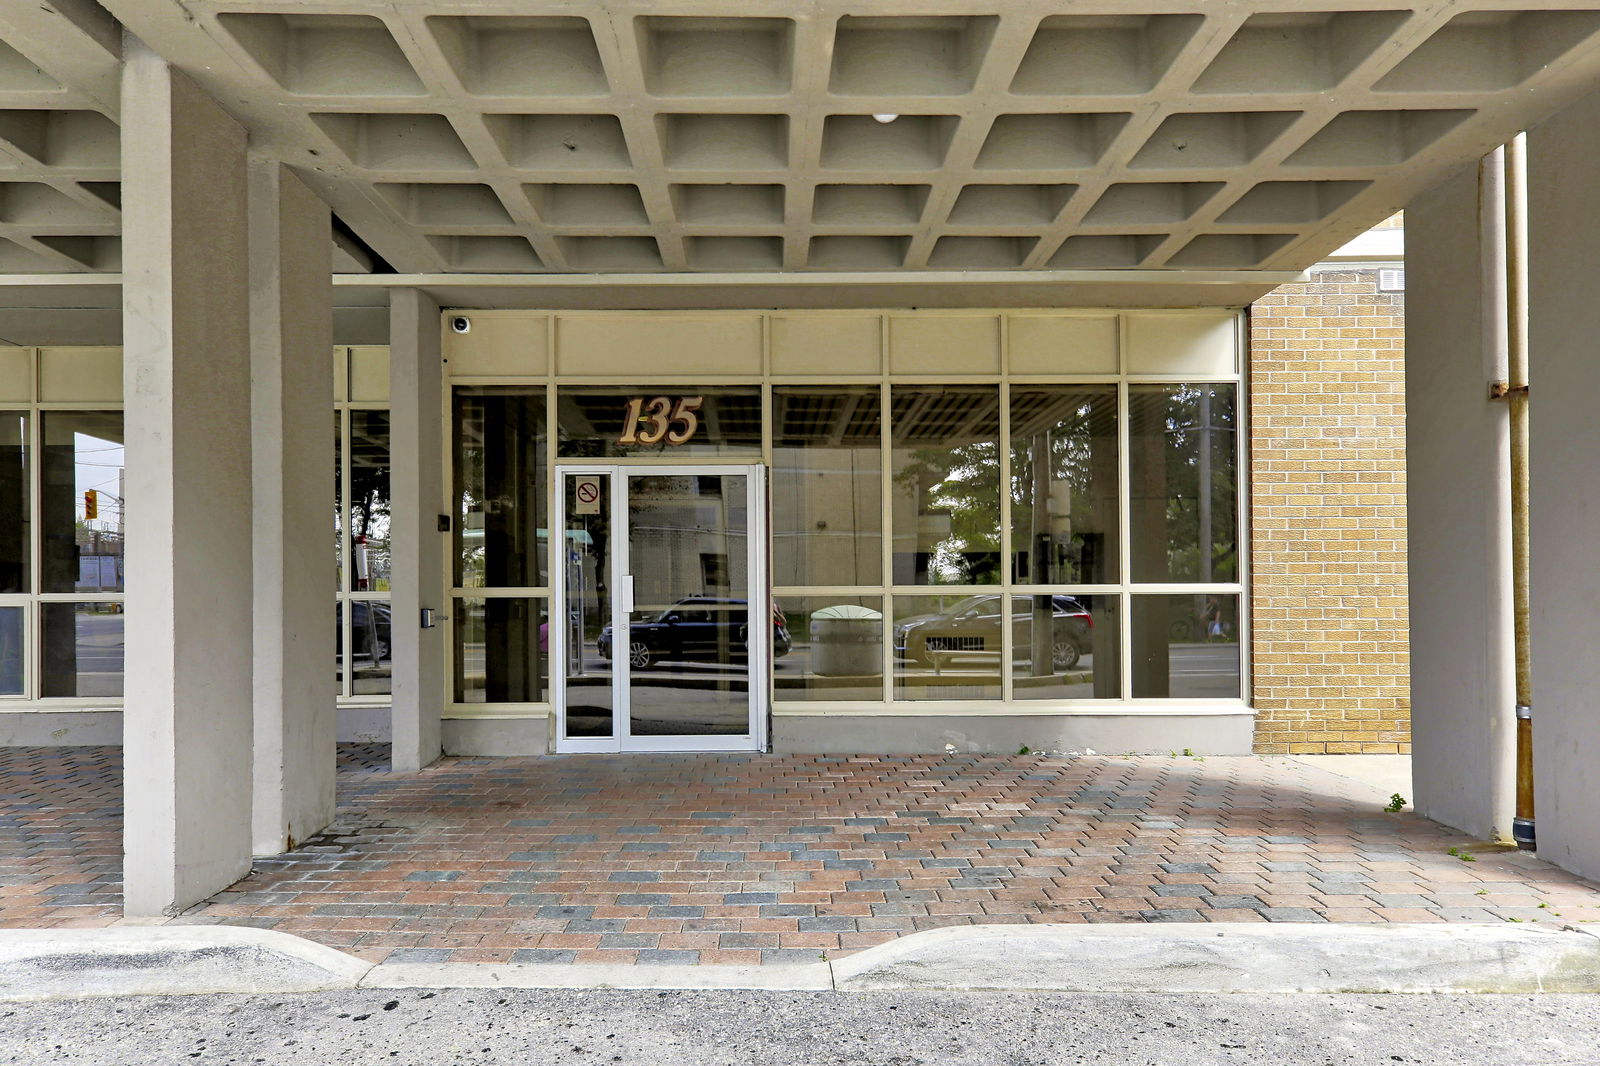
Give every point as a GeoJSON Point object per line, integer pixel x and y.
{"type": "Point", "coordinates": [91, 505]}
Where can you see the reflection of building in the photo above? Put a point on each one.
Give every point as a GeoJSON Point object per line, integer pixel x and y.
{"type": "Point", "coordinates": [687, 536]}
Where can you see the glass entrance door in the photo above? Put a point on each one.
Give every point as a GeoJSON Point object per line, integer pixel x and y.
{"type": "Point", "coordinates": [667, 629]}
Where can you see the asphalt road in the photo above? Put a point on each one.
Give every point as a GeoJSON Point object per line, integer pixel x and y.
{"type": "Point", "coordinates": [452, 1027]}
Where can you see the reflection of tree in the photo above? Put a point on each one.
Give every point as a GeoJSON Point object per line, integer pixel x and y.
{"type": "Point", "coordinates": [1200, 471]}
{"type": "Point", "coordinates": [962, 482]}
{"type": "Point", "coordinates": [369, 490]}
{"type": "Point", "coordinates": [1063, 483]}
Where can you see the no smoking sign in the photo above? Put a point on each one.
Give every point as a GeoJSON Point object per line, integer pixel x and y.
{"type": "Point", "coordinates": [586, 495]}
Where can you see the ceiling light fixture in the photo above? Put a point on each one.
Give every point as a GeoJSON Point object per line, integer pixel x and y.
{"type": "Point", "coordinates": [886, 118]}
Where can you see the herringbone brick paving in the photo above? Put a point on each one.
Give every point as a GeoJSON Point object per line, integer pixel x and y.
{"type": "Point", "coordinates": [743, 859]}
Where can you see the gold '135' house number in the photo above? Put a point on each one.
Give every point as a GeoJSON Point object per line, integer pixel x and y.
{"type": "Point", "coordinates": [660, 418]}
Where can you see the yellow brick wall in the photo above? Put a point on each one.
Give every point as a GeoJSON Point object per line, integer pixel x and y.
{"type": "Point", "coordinates": [1327, 517]}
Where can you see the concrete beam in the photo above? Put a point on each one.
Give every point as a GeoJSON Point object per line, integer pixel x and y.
{"type": "Point", "coordinates": [1564, 484]}
{"type": "Point", "coordinates": [186, 369]}
{"type": "Point", "coordinates": [416, 395]}
{"type": "Point", "coordinates": [1458, 507]}
{"type": "Point", "coordinates": [291, 317]}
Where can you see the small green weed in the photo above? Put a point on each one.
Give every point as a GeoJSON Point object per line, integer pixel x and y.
{"type": "Point", "coordinates": [1462, 855]}
{"type": "Point", "coordinates": [1396, 803]}
{"type": "Point", "coordinates": [1024, 750]}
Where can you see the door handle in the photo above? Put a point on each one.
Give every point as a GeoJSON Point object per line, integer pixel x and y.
{"type": "Point", "coordinates": [625, 595]}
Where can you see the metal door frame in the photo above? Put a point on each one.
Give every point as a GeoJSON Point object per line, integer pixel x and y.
{"type": "Point", "coordinates": [758, 658]}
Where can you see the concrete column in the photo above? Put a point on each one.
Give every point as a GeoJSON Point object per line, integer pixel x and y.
{"type": "Point", "coordinates": [416, 383]}
{"type": "Point", "coordinates": [1564, 482]}
{"type": "Point", "coordinates": [1458, 509]}
{"type": "Point", "coordinates": [291, 318]}
{"type": "Point", "coordinates": [186, 367]}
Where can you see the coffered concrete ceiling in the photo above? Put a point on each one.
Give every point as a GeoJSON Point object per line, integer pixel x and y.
{"type": "Point", "coordinates": [719, 137]}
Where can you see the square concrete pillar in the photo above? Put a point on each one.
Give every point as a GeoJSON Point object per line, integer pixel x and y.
{"type": "Point", "coordinates": [186, 366]}
{"type": "Point", "coordinates": [1564, 482]}
{"type": "Point", "coordinates": [1458, 509]}
{"type": "Point", "coordinates": [416, 544]}
{"type": "Point", "coordinates": [291, 318]}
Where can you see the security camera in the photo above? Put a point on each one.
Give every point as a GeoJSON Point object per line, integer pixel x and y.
{"type": "Point", "coordinates": [461, 324]}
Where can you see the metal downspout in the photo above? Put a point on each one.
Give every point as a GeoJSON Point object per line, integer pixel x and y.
{"type": "Point", "coordinates": [1516, 184]}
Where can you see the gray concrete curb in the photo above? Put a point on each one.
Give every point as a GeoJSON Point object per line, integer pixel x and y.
{"type": "Point", "coordinates": [1287, 957]}
{"type": "Point", "coordinates": [167, 960]}
{"type": "Point", "coordinates": [1275, 958]}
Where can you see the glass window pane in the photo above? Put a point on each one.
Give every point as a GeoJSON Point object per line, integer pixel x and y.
{"type": "Point", "coordinates": [338, 645]}
{"type": "Point", "coordinates": [369, 501]}
{"type": "Point", "coordinates": [834, 651]}
{"type": "Point", "coordinates": [1186, 646]}
{"type": "Point", "coordinates": [371, 670]}
{"type": "Point", "coordinates": [947, 647]}
{"type": "Point", "coordinates": [338, 499]}
{"type": "Point", "coordinates": [946, 497]}
{"type": "Point", "coordinates": [1064, 647]}
{"type": "Point", "coordinates": [1182, 473]}
{"type": "Point", "coordinates": [597, 422]}
{"type": "Point", "coordinates": [1064, 484]}
{"type": "Point", "coordinates": [827, 468]}
{"type": "Point", "coordinates": [589, 697]}
{"type": "Point", "coordinates": [500, 487]}
{"type": "Point", "coordinates": [12, 632]}
{"type": "Point", "coordinates": [82, 649]}
{"type": "Point", "coordinates": [82, 506]}
{"type": "Point", "coordinates": [15, 503]}
{"type": "Point", "coordinates": [689, 633]}
{"type": "Point", "coordinates": [501, 646]}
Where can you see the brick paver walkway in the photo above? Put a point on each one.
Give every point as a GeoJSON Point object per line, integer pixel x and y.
{"type": "Point", "coordinates": [727, 859]}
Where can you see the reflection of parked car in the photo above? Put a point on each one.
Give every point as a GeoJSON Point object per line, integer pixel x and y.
{"type": "Point", "coordinates": [973, 626]}
{"type": "Point", "coordinates": [702, 628]}
{"type": "Point", "coordinates": [369, 632]}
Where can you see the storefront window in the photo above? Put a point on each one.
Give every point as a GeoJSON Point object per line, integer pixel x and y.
{"type": "Point", "coordinates": [338, 496]}
{"type": "Point", "coordinates": [369, 501]}
{"type": "Point", "coordinates": [633, 420]}
{"type": "Point", "coordinates": [946, 484]}
{"type": "Point", "coordinates": [500, 487]}
{"type": "Point", "coordinates": [1064, 484]}
{"type": "Point", "coordinates": [15, 504]}
{"type": "Point", "coordinates": [83, 650]}
{"type": "Point", "coordinates": [938, 532]}
{"type": "Point", "coordinates": [501, 650]}
{"type": "Point", "coordinates": [369, 662]}
{"type": "Point", "coordinates": [1183, 483]}
{"type": "Point", "coordinates": [1186, 646]}
{"type": "Point", "coordinates": [1065, 647]}
{"type": "Point", "coordinates": [362, 519]}
{"type": "Point", "coordinates": [82, 501]}
{"type": "Point", "coordinates": [13, 632]}
{"type": "Point", "coordinates": [834, 649]}
{"type": "Point", "coordinates": [827, 471]}
{"type": "Point", "coordinates": [948, 647]}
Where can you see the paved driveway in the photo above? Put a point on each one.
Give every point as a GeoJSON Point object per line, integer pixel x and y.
{"type": "Point", "coordinates": [725, 859]}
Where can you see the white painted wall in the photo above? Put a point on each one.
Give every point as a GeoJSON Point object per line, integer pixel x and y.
{"type": "Point", "coordinates": [1564, 482]}
{"type": "Point", "coordinates": [187, 393]}
{"type": "Point", "coordinates": [1457, 500]}
{"type": "Point", "coordinates": [417, 547]}
{"type": "Point", "coordinates": [292, 394]}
